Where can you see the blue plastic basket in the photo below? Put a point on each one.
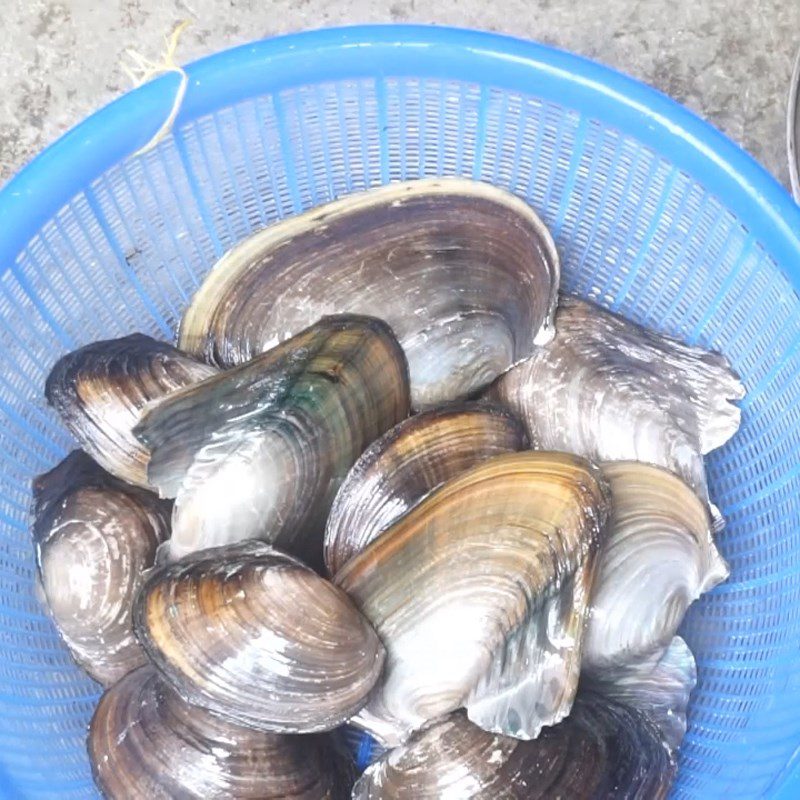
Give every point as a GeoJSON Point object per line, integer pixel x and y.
{"type": "Point", "coordinates": [655, 214]}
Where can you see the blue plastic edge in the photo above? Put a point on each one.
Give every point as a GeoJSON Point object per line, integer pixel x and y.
{"type": "Point", "coordinates": [119, 129]}
{"type": "Point", "coordinates": [65, 168]}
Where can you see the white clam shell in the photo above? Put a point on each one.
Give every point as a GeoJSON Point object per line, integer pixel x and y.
{"type": "Point", "coordinates": [657, 557]}
{"type": "Point", "coordinates": [609, 390]}
{"type": "Point", "coordinates": [95, 538]}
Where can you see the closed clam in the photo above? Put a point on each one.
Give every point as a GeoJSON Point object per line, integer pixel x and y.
{"type": "Point", "coordinates": [658, 685]}
{"type": "Point", "coordinates": [603, 751]}
{"type": "Point", "coordinates": [259, 638]}
{"type": "Point", "coordinates": [466, 275]}
{"type": "Point", "coordinates": [259, 450]}
{"type": "Point", "coordinates": [609, 390]}
{"type": "Point", "coordinates": [407, 463]}
{"type": "Point", "coordinates": [657, 557]}
{"type": "Point", "coordinates": [480, 594]}
{"type": "Point", "coordinates": [95, 536]}
{"type": "Point", "coordinates": [101, 389]}
{"type": "Point", "coordinates": [146, 743]}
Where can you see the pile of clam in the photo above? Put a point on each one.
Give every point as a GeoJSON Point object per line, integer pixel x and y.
{"type": "Point", "coordinates": [388, 481]}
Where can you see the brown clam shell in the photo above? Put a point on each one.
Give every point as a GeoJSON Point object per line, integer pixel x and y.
{"type": "Point", "coordinates": [146, 743]}
{"type": "Point", "coordinates": [101, 389]}
{"type": "Point", "coordinates": [402, 467]}
{"type": "Point", "coordinates": [603, 751]}
{"type": "Point", "coordinates": [256, 636]}
{"type": "Point", "coordinates": [480, 595]}
{"type": "Point", "coordinates": [465, 273]}
{"type": "Point", "coordinates": [259, 451]}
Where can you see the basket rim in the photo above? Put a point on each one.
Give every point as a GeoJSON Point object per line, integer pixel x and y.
{"type": "Point", "coordinates": [41, 188]}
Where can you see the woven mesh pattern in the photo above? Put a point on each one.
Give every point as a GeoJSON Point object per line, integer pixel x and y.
{"type": "Point", "coordinates": [635, 234]}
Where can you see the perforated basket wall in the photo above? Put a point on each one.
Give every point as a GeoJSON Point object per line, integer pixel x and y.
{"type": "Point", "coordinates": [648, 221]}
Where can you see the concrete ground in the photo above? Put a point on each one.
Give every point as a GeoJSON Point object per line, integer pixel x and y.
{"type": "Point", "coordinates": [729, 60]}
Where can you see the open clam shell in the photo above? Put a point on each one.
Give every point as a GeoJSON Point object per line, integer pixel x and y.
{"type": "Point", "coordinates": [416, 456]}
{"type": "Point", "coordinates": [657, 557]}
{"type": "Point", "coordinates": [146, 743]}
{"type": "Point", "coordinates": [607, 389]}
{"type": "Point", "coordinates": [259, 638]}
{"type": "Point", "coordinates": [602, 751]}
{"type": "Point", "coordinates": [658, 686]}
{"type": "Point", "coordinates": [259, 451]}
{"type": "Point", "coordinates": [466, 275]}
{"type": "Point", "coordinates": [95, 536]}
{"type": "Point", "coordinates": [479, 595]}
{"type": "Point", "coordinates": [101, 389]}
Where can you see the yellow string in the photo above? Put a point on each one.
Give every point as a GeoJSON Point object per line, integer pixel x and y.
{"type": "Point", "coordinates": [143, 69]}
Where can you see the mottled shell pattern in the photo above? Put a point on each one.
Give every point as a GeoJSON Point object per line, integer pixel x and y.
{"type": "Point", "coordinates": [95, 537]}
{"type": "Point", "coordinates": [259, 638]}
{"type": "Point", "coordinates": [465, 274]}
{"type": "Point", "coordinates": [259, 450]}
{"type": "Point", "coordinates": [146, 743]}
{"type": "Point", "coordinates": [480, 595]}
{"type": "Point", "coordinates": [101, 390]}
{"type": "Point", "coordinates": [404, 465]}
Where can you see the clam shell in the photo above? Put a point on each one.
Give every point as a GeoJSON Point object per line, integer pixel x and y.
{"type": "Point", "coordinates": [259, 451]}
{"type": "Point", "coordinates": [602, 751]}
{"type": "Point", "coordinates": [146, 743]}
{"type": "Point", "coordinates": [416, 456]}
{"type": "Point", "coordinates": [479, 595]}
{"type": "Point", "coordinates": [657, 557]}
{"type": "Point", "coordinates": [95, 536]}
{"type": "Point", "coordinates": [101, 389]}
{"type": "Point", "coordinates": [609, 390]}
{"type": "Point", "coordinates": [658, 686]}
{"type": "Point", "coordinates": [466, 275]}
{"type": "Point", "coordinates": [259, 638]}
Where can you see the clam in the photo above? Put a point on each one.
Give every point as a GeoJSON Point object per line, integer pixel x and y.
{"type": "Point", "coordinates": [609, 390]}
{"type": "Point", "coordinates": [407, 463]}
{"type": "Point", "coordinates": [479, 595]}
{"type": "Point", "coordinates": [466, 275]}
{"type": "Point", "coordinates": [658, 686]}
{"type": "Point", "coordinates": [602, 751]}
{"type": "Point", "coordinates": [657, 557]}
{"type": "Point", "coordinates": [101, 389]}
{"type": "Point", "coordinates": [259, 451]}
{"type": "Point", "coordinates": [94, 538]}
{"type": "Point", "coordinates": [259, 638]}
{"type": "Point", "coordinates": [146, 743]}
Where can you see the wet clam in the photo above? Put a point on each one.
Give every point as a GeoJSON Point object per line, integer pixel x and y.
{"type": "Point", "coordinates": [259, 451]}
{"type": "Point", "coordinates": [146, 743]}
{"type": "Point", "coordinates": [258, 637]}
{"type": "Point", "coordinates": [658, 686]}
{"type": "Point", "coordinates": [101, 389]}
{"type": "Point", "coordinates": [657, 557]}
{"type": "Point", "coordinates": [94, 538]}
{"type": "Point", "coordinates": [609, 390]}
{"type": "Point", "coordinates": [466, 275]}
{"type": "Point", "coordinates": [603, 751]}
{"type": "Point", "coordinates": [409, 461]}
{"type": "Point", "coordinates": [479, 595]}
